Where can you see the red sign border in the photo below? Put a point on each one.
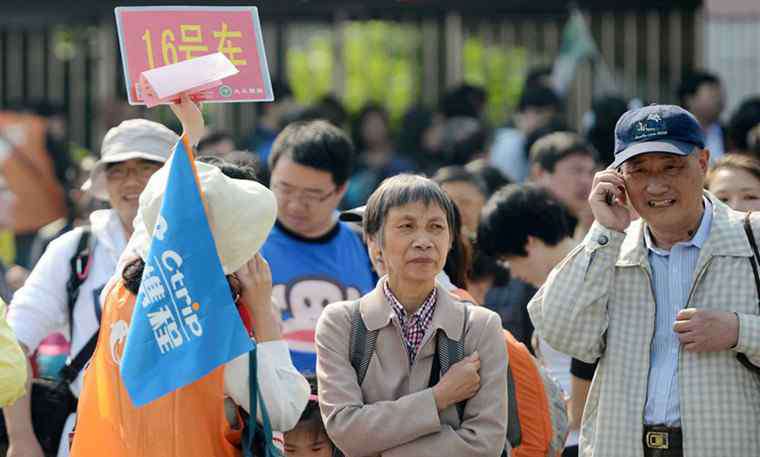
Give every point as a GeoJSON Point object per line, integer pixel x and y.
{"type": "Point", "coordinates": [266, 79]}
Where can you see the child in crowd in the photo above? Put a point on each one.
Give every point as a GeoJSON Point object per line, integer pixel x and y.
{"type": "Point", "coordinates": [309, 438]}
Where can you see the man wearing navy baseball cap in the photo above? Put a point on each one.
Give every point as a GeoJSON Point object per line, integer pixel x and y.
{"type": "Point", "coordinates": [668, 303]}
{"type": "Point", "coordinates": [656, 128]}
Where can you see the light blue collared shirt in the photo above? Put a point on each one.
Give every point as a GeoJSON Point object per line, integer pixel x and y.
{"type": "Point", "coordinates": [672, 276]}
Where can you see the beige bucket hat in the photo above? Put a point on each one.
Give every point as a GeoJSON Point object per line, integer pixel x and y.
{"type": "Point", "coordinates": [132, 139]}
{"type": "Point", "coordinates": [241, 213]}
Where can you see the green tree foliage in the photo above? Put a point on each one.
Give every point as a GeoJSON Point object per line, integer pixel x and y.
{"type": "Point", "coordinates": [310, 66]}
{"type": "Point", "coordinates": [501, 70]}
{"type": "Point", "coordinates": [382, 63]}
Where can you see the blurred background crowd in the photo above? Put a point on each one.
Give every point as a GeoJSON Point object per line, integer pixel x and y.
{"type": "Point", "coordinates": [470, 94]}
{"type": "Point", "coordinates": [420, 86]}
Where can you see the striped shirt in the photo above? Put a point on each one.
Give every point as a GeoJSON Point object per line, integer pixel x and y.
{"type": "Point", "coordinates": [672, 277]}
{"type": "Point", "coordinates": [414, 327]}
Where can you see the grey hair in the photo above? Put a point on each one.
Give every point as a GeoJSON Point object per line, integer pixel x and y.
{"type": "Point", "coordinates": [401, 190]}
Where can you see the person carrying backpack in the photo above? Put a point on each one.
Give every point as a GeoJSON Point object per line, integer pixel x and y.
{"type": "Point", "coordinates": [63, 289]}
{"type": "Point", "coordinates": [528, 226]}
{"type": "Point", "coordinates": [406, 400]}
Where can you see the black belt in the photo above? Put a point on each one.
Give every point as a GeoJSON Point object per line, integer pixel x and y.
{"type": "Point", "coordinates": [662, 441]}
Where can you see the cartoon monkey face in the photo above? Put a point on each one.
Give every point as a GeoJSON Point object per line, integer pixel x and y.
{"type": "Point", "coordinates": [308, 297]}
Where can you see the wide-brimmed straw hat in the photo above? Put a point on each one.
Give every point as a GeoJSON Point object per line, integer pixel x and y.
{"type": "Point", "coordinates": [241, 213]}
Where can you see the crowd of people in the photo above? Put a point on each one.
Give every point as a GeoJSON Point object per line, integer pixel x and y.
{"type": "Point", "coordinates": [420, 293]}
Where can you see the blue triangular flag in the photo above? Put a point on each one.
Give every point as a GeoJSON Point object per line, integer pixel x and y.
{"type": "Point", "coordinates": [184, 323]}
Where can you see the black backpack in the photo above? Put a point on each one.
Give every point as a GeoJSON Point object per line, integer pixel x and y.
{"type": "Point", "coordinates": [51, 399]}
{"type": "Point", "coordinates": [448, 352]}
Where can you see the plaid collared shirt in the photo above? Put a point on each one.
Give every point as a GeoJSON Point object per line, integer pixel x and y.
{"type": "Point", "coordinates": [413, 327]}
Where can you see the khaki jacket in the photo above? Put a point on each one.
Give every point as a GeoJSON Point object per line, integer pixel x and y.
{"type": "Point", "coordinates": [393, 413]}
{"type": "Point", "coordinates": [599, 303]}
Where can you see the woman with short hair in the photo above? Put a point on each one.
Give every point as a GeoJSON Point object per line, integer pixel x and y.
{"type": "Point", "coordinates": [403, 407]}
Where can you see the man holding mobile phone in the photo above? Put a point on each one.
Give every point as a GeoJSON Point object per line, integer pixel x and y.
{"type": "Point", "coordinates": [665, 302]}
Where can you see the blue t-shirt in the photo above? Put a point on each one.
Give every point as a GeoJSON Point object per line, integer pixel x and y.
{"type": "Point", "coordinates": [309, 274]}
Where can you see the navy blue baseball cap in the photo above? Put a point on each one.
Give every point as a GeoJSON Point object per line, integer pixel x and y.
{"type": "Point", "coordinates": [656, 128]}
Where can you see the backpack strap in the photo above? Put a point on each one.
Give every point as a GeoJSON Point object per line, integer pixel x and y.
{"type": "Point", "coordinates": [362, 343]}
{"type": "Point", "coordinates": [80, 267]}
{"type": "Point", "coordinates": [449, 352]}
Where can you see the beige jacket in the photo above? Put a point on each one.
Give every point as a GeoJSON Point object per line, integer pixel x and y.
{"type": "Point", "coordinates": [393, 413]}
{"type": "Point", "coordinates": [599, 303]}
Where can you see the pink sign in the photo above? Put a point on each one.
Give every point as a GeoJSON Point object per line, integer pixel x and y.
{"type": "Point", "coordinates": [152, 37]}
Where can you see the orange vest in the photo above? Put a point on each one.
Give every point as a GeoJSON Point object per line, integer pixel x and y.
{"type": "Point", "coordinates": [185, 423]}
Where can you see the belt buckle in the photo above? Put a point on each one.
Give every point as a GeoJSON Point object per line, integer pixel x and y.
{"type": "Point", "coordinates": [657, 440]}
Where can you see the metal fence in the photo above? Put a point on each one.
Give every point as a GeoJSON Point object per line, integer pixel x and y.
{"type": "Point", "coordinates": [79, 66]}
{"type": "Point", "coordinates": [733, 52]}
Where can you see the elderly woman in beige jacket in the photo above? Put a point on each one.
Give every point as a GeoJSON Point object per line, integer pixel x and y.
{"type": "Point", "coordinates": [399, 409]}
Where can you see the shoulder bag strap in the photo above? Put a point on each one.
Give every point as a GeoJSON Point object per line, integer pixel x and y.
{"type": "Point", "coordinates": [362, 343]}
{"type": "Point", "coordinates": [449, 352]}
{"type": "Point", "coordinates": [754, 260]}
{"type": "Point", "coordinates": [71, 370]}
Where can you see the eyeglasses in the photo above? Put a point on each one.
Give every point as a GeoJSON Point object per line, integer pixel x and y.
{"type": "Point", "coordinates": [143, 172]}
{"type": "Point", "coordinates": [308, 198]}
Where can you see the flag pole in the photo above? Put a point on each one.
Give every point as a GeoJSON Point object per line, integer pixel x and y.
{"type": "Point", "coordinates": [191, 157]}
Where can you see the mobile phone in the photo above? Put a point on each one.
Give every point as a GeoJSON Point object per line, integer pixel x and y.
{"type": "Point", "coordinates": [609, 198]}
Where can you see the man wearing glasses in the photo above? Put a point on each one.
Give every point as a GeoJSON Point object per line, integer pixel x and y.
{"type": "Point", "coordinates": [315, 259]}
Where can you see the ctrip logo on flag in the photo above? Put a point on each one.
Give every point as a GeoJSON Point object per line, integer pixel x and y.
{"type": "Point", "coordinates": [185, 323]}
{"type": "Point", "coordinates": [165, 329]}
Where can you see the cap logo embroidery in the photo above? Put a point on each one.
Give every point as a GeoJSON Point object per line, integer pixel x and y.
{"type": "Point", "coordinates": [652, 126]}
